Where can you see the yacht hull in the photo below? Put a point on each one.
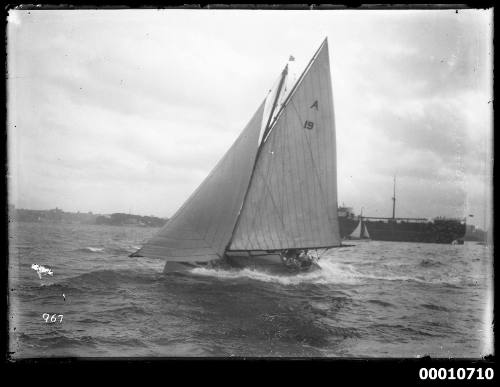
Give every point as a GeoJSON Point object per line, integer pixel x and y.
{"type": "Point", "coordinates": [270, 263]}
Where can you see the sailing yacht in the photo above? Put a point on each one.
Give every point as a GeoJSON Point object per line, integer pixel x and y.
{"type": "Point", "coordinates": [271, 201]}
{"type": "Point", "coordinates": [361, 231]}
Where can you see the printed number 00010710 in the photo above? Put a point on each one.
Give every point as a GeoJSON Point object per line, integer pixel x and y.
{"type": "Point", "coordinates": [48, 318]}
{"type": "Point", "coordinates": [452, 374]}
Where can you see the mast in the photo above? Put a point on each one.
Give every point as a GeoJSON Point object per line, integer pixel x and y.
{"type": "Point", "coordinates": [294, 88]}
{"type": "Point", "coordinates": [394, 199]}
{"type": "Point", "coordinates": [276, 98]}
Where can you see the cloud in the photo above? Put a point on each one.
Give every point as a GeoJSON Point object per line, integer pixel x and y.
{"type": "Point", "coordinates": [111, 110]}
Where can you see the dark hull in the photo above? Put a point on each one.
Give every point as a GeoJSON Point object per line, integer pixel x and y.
{"type": "Point", "coordinates": [445, 231]}
{"type": "Point", "coordinates": [270, 263]}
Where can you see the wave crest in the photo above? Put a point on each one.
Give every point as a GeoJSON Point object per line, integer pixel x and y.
{"type": "Point", "coordinates": [330, 273]}
{"type": "Point", "coordinates": [90, 249]}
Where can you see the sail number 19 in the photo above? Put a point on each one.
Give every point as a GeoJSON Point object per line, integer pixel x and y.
{"type": "Point", "coordinates": [308, 125]}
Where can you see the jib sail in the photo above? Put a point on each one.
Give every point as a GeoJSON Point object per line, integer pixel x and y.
{"type": "Point", "coordinates": [200, 230]}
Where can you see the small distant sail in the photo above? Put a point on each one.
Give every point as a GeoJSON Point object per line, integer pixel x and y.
{"type": "Point", "coordinates": [357, 234]}
{"type": "Point", "coordinates": [366, 234]}
{"type": "Point", "coordinates": [360, 232]}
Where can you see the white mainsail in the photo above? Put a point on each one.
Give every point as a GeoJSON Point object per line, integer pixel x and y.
{"type": "Point", "coordinates": [292, 198]}
{"type": "Point", "coordinates": [268, 192]}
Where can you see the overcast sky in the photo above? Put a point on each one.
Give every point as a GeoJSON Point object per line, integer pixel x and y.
{"type": "Point", "coordinates": [117, 111]}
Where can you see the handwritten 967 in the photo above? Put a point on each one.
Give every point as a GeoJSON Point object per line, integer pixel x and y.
{"type": "Point", "coordinates": [52, 319]}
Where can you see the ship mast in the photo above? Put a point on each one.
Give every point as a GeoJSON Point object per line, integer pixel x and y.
{"type": "Point", "coordinates": [394, 199]}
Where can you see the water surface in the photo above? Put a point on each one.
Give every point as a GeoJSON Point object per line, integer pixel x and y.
{"type": "Point", "coordinates": [373, 299]}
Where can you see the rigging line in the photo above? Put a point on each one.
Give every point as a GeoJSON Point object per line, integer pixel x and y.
{"type": "Point", "coordinates": [271, 143]}
{"type": "Point", "coordinates": [210, 194]}
{"type": "Point", "coordinates": [218, 170]}
{"type": "Point", "coordinates": [213, 178]}
{"type": "Point", "coordinates": [296, 188]}
{"type": "Point", "coordinates": [290, 195]}
{"type": "Point", "coordinates": [284, 200]}
{"type": "Point", "coordinates": [268, 166]}
{"type": "Point", "coordinates": [273, 166]}
{"type": "Point", "coordinates": [293, 247]}
{"type": "Point", "coordinates": [294, 167]}
{"type": "Point", "coordinates": [257, 231]}
{"type": "Point", "coordinates": [282, 108]}
{"type": "Point", "coordinates": [258, 173]}
{"type": "Point", "coordinates": [266, 186]}
{"type": "Point", "coordinates": [323, 253]}
{"type": "Point", "coordinates": [304, 157]}
{"type": "Point", "coordinates": [284, 74]}
{"type": "Point", "coordinates": [294, 88]}
{"type": "Point", "coordinates": [324, 162]}
{"type": "Point", "coordinates": [331, 185]}
{"type": "Point", "coordinates": [149, 244]}
{"type": "Point", "coordinates": [216, 236]}
{"type": "Point", "coordinates": [256, 236]}
{"type": "Point", "coordinates": [314, 166]}
{"type": "Point", "coordinates": [256, 159]}
{"type": "Point", "coordinates": [241, 208]}
{"type": "Point", "coordinates": [257, 225]}
{"type": "Point", "coordinates": [308, 94]}
{"type": "Point", "coordinates": [278, 147]}
{"type": "Point", "coordinates": [193, 196]}
{"type": "Point", "coordinates": [257, 214]}
{"type": "Point", "coordinates": [280, 217]}
{"type": "Point", "coordinates": [282, 112]}
{"type": "Point", "coordinates": [305, 198]}
{"type": "Point", "coordinates": [224, 217]}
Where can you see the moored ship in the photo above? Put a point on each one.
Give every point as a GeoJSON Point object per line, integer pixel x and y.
{"type": "Point", "coordinates": [437, 230]}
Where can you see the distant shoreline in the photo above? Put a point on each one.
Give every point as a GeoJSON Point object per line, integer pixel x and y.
{"type": "Point", "coordinates": [59, 216]}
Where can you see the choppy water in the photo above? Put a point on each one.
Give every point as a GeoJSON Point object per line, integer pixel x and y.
{"type": "Point", "coordinates": [374, 299]}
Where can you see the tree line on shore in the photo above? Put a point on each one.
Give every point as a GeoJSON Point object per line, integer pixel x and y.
{"type": "Point", "coordinates": [59, 216]}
